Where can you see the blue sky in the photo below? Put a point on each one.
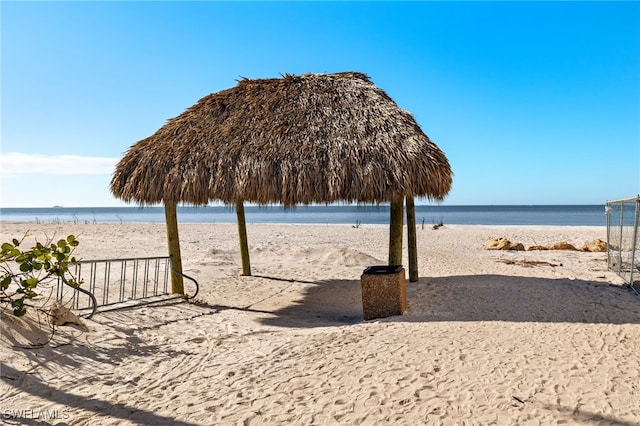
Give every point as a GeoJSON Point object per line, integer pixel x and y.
{"type": "Point", "coordinates": [533, 103]}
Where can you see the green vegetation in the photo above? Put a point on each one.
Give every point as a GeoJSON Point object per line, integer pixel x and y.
{"type": "Point", "coordinates": [40, 264]}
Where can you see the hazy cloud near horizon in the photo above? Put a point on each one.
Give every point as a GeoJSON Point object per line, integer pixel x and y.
{"type": "Point", "coordinates": [17, 163]}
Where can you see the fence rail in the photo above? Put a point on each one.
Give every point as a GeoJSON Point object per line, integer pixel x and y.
{"type": "Point", "coordinates": [623, 239]}
{"type": "Point", "coordinates": [118, 282]}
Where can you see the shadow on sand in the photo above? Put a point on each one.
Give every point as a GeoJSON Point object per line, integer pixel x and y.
{"type": "Point", "coordinates": [101, 408]}
{"type": "Point", "coordinates": [471, 298]}
{"type": "Point", "coordinates": [32, 339]}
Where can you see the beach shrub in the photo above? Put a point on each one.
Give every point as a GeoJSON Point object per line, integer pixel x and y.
{"type": "Point", "coordinates": [22, 271]}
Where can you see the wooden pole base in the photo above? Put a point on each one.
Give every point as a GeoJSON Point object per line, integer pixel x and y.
{"type": "Point", "coordinates": [173, 241]}
{"type": "Point", "coordinates": [242, 234]}
{"type": "Point", "coordinates": [395, 231]}
{"type": "Point", "coordinates": [411, 240]}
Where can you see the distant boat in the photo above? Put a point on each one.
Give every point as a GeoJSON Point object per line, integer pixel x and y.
{"type": "Point", "coordinates": [57, 207]}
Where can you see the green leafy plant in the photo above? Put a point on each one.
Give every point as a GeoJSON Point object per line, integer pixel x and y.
{"type": "Point", "coordinates": [34, 267]}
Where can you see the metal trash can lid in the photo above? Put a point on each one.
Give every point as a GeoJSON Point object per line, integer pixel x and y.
{"type": "Point", "coordinates": [382, 269]}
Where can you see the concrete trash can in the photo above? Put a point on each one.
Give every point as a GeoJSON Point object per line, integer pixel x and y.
{"type": "Point", "coordinates": [384, 293]}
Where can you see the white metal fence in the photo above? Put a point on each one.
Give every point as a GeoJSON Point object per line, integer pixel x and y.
{"type": "Point", "coordinates": [120, 282]}
{"type": "Point", "coordinates": [623, 239]}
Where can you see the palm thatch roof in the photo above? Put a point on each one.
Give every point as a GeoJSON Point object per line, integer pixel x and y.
{"type": "Point", "coordinates": [313, 138]}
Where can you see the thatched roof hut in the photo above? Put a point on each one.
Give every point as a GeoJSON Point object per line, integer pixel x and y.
{"type": "Point", "coordinates": [314, 138]}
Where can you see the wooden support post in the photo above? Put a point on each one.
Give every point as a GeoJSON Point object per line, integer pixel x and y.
{"type": "Point", "coordinates": [242, 233]}
{"type": "Point", "coordinates": [395, 231]}
{"type": "Point", "coordinates": [411, 240]}
{"type": "Point", "coordinates": [177, 285]}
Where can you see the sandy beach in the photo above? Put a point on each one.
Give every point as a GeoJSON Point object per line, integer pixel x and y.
{"type": "Point", "coordinates": [489, 337]}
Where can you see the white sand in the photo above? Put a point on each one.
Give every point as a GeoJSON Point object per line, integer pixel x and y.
{"type": "Point", "coordinates": [488, 338]}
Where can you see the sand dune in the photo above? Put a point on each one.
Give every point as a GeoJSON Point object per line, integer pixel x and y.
{"type": "Point", "coordinates": [489, 337]}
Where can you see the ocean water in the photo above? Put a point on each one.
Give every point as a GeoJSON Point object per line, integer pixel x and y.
{"type": "Point", "coordinates": [570, 215]}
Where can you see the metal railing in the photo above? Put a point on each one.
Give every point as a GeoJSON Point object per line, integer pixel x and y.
{"type": "Point", "coordinates": [623, 245]}
{"type": "Point", "coordinates": [120, 282]}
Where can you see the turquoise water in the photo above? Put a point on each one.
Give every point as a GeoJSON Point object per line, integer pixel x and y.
{"type": "Point", "coordinates": [589, 215]}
